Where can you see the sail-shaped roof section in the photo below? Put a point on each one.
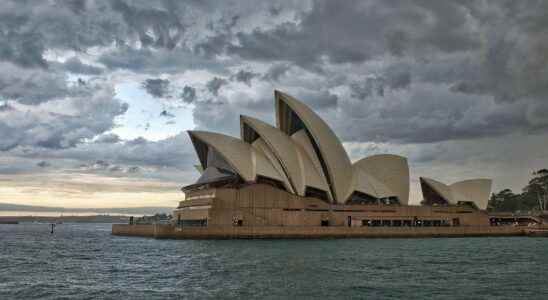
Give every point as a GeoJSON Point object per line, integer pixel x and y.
{"type": "Point", "coordinates": [435, 192]}
{"type": "Point", "coordinates": [292, 116]}
{"type": "Point", "coordinates": [261, 146]}
{"type": "Point", "coordinates": [295, 163]}
{"type": "Point", "coordinates": [391, 170]}
{"type": "Point", "coordinates": [476, 190]}
{"type": "Point", "coordinates": [364, 182]}
{"type": "Point", "coordinates": [242, 157]}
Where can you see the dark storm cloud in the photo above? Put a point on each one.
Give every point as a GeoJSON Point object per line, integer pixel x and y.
{"type": "Point", "coordinates": [175, 152]}
{"type": "Point", "coordinates": [276, 71]}
{"type": "Point", "coordinates": [84, 116]}
{"type": "Point", "coordinates": [28, 28]}
{"type": "Point", "coordinates": [30, 86]}
{"type": "Point", "coordinates": [319, 100]}
{"type": "Point", "coordinates": [393, 78]}
{"type": "Point", "coordinates": [368, 87]}
{"type": "Point", "coordinates": [428, 114]}
{"type": "Point", "coordinates": [188, 95]}
{"type": "Point", "coordinates": [43, 164]}
{"type": "Point", "coordinates": [356, 31]}
{"type": "Point", "coordinates": [215, 84]}
{"type": "Point", "coordinates": [156, 26]}
{"type": "Point", "coordinates": [156, 87]}
{"type": "Point", "coordinates": [244, 76]}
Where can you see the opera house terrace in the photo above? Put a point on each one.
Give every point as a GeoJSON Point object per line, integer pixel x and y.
{"type": "Point", "coordinates": [296, 180]}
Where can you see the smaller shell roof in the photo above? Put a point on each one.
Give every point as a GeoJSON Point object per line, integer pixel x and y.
{"type": "Point", "coordinates": [471, 190]}
{"type": "Point", "coordinates": [477, 189]}
{"type": "Point", "coordinates": [441, 188]}
{"type": "Point", "coordinates": [365, 183]}
{"type": "Point", "coordinates": [391, 170]}
{"type": "Point", "coordinates": [242, 157]}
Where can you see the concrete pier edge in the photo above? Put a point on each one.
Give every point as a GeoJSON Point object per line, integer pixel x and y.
{"type": "Point", "coordinates": [317, 232]}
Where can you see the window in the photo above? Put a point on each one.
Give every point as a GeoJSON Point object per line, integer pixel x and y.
{"type": "Point", "coordinates": [361, 198]}
{"type": "Point", "coordinates": [366, 223]}
{"type": "Point", "coordinates": [194, 223]}
{"type": "Point", "coordinates": [386, 223]}
{"type": "Point", "coordinates": [396, 223]}
{"type": "Point", "coordinates": [325, 223]}
{"type": "Point", "coordinates": [316, 193]}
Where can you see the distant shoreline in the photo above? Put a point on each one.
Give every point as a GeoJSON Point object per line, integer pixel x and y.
{"type": "Point", "coordinates": [64, 219]}
{"type": "Point", "coordinates": [16, 210]}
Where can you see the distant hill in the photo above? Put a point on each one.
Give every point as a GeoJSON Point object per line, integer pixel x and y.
{"type": "Point", "coordinates": [145, 210]}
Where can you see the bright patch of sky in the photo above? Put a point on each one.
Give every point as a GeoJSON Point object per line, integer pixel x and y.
{"type": "Point", "coordinates": [143, 118]}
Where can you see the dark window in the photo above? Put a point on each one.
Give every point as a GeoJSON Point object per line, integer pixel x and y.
{"type": "Point", "coordinates": [407, 223]}
{"type": "Point", "coordinates": [396, 223]}
{"type": "Point", "coordinates": [325, 223]}
{"type": "Point", "coordinates": [393, 201]}
{"type": "Point", "coordinates": [194, 223]}
{"type": "Point", "coordinates": [467, 204]}
{"type": "Point", "coordinates": [456, 222]}
{"type": "Point", "coordinates": [366, 223]}
{"type": "Point", "coordinates": [316, 193]}
{"type": "Point", "coordinates": [376, 223]}
{"type": "Point", "coordinates": [361, 198]}
{"type": "Point", "coordinates": [386, 223]}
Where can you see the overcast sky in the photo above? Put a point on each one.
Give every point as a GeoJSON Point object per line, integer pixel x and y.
{"type": "Point", "coordinates": [95, 96]}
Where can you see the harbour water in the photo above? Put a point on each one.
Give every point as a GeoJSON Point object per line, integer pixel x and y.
{"type": "Point", "coordinates": [84, 261]}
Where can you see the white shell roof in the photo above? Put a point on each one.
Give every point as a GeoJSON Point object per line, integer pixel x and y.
{"type": "Point", "coordinates": [242, 157]}
{"type": "Point", "coordinates": [337, 164]}
{"type": "Point", "coordinates": [304, 152]}
{"type": "Point", "coordinates": [472, 190]}
{"type": "Point", "coordinates": [391, 170]}
{"type": "Point", "coordinates": [294, 162]}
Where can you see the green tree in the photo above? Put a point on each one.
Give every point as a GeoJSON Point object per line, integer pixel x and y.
{"type": "Point", "coordinates": [504, 200]}
{"type": "Point", "coordinates": [534, 196]}
{"type": "Point", "coordinates": [536, 192]}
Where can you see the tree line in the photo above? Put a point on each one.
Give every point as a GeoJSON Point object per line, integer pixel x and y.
{"type": "Point", "coordinates": [533, 197]}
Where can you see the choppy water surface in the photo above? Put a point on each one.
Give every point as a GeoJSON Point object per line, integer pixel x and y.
{"type": "Point", "coordinates": [84, 261]}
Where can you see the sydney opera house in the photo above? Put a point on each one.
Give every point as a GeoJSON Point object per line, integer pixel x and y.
{"type": "Point", "coordinates": [299, 174]}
